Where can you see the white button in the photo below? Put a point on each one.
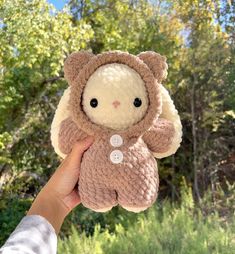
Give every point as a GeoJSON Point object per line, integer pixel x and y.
{"type": "Point", "coordinates": [116, 156]}
{"type": "Point", "coordinates": [116, 140]}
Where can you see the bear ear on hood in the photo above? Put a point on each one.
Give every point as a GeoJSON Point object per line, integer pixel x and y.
{"type": "Point", "coordinates": [74, 63]}
{"type": "Point", "coordinates": [156, 63]}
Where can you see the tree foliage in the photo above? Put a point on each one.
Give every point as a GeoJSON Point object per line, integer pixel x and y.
{"type": "Point", "coordinates": [35, 39]}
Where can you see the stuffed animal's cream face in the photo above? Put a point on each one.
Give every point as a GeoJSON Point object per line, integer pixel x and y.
{"type": "Point", "coordinates": [115, 97]}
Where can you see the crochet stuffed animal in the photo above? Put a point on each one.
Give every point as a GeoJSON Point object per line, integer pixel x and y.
{"type": "Point", "coordinates": [117, 98]}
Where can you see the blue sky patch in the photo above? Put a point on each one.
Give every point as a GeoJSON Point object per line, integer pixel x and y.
{"type": "Point", "coordinates": [59, 4]}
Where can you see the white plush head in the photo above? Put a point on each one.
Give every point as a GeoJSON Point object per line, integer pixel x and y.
{"type": "Point", "coordinates": [115, 97]}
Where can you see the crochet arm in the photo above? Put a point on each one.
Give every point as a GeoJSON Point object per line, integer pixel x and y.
{"type": "Point", "coordinates": [159, 138]}
{"type": "Point", "coordinates": [69, 134]}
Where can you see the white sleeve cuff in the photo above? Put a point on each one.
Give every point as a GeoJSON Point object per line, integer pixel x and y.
{"type": "Point", "coordinates": [33, 235]}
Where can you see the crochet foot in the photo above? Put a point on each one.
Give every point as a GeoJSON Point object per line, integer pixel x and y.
{"type": "Point", "coordinates": [103, 210]}
{"type": "Point", "coordinates": [135, 209]}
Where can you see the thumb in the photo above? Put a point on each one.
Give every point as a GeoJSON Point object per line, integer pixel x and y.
{"type": "Point", "coordinates": [71, 164]}
{"type": "Point", "coordinates": [75, 156]}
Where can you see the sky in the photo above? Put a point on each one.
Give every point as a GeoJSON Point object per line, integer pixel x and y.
{"type": "Point", "coordinates": [59, 4]}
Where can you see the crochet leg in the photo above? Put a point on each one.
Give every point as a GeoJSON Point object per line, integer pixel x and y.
{"type": "Point", "coordinates": [96, 196]}
{"type": "Point", "coordinates": [138, 191]}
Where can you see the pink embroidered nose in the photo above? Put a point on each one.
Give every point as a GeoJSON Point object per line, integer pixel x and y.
{"type": "Point", "coordinates": [116, 104]}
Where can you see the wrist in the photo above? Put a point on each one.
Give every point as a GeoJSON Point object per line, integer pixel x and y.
{"type": "Point", "coordinates": [48, 205]}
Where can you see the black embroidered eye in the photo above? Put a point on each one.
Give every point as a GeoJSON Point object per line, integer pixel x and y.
{"type": "Point", "coordinates": [94, 103]}
{"type": "Point", "coordinates": [137, 102]}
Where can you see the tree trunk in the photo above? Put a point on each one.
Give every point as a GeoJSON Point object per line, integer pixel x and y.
{"type": "Point", "coordinates": [194, 135]}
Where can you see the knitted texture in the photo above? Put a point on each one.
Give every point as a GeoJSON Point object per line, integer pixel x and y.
{"type": "Point", "coordinates": [69, 134]}
{"type": "Point", "coordinates": [134, 183]}
{"type": "Point", "coordinates": [119, 167]}
{"type": "Point", "coordinates": [170, 113]}
{"type": "Point", "coordinates": [156, 63]}
{"type": "Point", "coordinates": [120, 84]}
{"type": "Point", "coordinates": [79, 83]}
{"type": "Point", "coordinates": [160, 136]}
{"type": "Point", "coordinates": [74, 63]}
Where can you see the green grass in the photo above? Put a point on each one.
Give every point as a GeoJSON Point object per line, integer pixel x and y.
{"type": "Point", "coordinates": [165, 229]}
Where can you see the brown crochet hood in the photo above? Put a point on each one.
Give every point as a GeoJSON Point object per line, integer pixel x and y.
{"type": "Point", "coordinates": [151, 67]}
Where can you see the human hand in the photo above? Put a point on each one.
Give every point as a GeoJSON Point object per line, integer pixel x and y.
{"type": "Point", "coordinates": [59, 196]}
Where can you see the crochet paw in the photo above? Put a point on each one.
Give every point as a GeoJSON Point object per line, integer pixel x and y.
{"type": "Point", "coordinates": [135, 209]}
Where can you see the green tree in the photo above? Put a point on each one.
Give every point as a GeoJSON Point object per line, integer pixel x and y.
{"type": "Point", "coordinates": [35, 39]}
{"type": "Point", "coordinates": [204, 79]}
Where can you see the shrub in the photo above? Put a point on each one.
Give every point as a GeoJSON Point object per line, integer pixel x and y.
{"type": "Point", "coordinates": [163, 229]}
{"type": "Point", "coordinates": [12, 211]}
